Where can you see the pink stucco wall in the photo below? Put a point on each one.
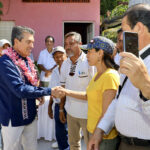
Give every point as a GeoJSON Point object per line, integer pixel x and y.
{"type": "Point", "coordinates": [47, 18]}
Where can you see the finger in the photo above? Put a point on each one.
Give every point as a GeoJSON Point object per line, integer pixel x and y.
{"type": "Point", "coordinates": [96, 146]}
{"type": "Point", "coordinates": [90, 146]}
{"type": "Point", "coordinates": [125, 71]}
{"type": "Point", "coordinates": [128, 55]}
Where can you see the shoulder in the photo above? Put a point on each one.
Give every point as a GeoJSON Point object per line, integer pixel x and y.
{"type": "Point", "coordinates": [6, 65]}
{"type": "Point", "coordinates": [55, 71]}
{"type": "Point", "coordinates": [5, 60]}
{"type": "Point", "coordinates": [111, 74]}
{"type": "Point", "coordinates": [42, 52]}
{"type": "Point", "coordinates": [65, 63]}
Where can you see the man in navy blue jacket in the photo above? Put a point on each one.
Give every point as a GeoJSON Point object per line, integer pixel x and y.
{"type": "Point", "coordinates": [18, 92]}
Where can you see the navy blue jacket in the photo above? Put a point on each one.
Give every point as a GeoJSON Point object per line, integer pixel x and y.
{"type": "Point", "coordinates": [17, 95]}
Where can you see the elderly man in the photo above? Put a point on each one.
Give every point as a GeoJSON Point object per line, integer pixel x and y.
{"type": "Point", "coordinates": [75, 75]}
{"type": "Point", "coordinates": [18, 92]}
{"type": "Point", "coordinates": [130, 111]}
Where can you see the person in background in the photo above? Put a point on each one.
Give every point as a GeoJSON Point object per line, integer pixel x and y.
{"type": "Point", "coordinates": [130, 110]}
{"type": "Point", "coordinates": [4, 44]}
{"type": "Point", "coordinates": [75, 75]}
{"type": "Point", "coordinates": [101, 89]}
{"type": "Point", "coordinates": [61, 130]}
{"type": "Point", "coordinates": [118, 48]}
{"type": "Point", "coordinates": [46, 61]}
{"type": "Point", "coordinates": [19, 91]}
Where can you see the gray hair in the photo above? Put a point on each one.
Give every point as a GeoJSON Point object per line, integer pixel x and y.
{"type": "Point", "coordinates": [17, 33]}
{"type": "Point", "coordinates": [77, 36]}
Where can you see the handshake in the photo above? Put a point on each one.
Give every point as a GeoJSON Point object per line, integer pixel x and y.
{"type": "Point", "coordinates": [58, 92]}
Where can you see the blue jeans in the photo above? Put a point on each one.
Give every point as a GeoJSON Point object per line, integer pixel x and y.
{"type": "Point", "coordinates": [61, 131]}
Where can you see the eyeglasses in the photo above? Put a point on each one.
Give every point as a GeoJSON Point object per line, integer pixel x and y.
{"type": "Point", "coordinates": [72, 69]}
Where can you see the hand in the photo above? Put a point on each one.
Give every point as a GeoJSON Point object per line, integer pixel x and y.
{"type": "Point", "coordinates": [95, 140]}
{"type": "Point", "coordinates": [62, 117]}
{"type": "Point", "coordinates": [41, 100]}
{"type": "Point", "coordinates": [48, 73]}
{"type": "Point", "coordinates": [135, 69]}
{"type": "Point", "coordinates": [50, 111]}
{"type": "Point", "coordinates": [57, 92]}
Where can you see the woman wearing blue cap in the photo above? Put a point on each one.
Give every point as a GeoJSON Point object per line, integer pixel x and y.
{"type": "Point", "coordinates": [102, 88]}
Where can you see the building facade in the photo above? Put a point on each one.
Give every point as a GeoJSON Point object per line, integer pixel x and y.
{"type": "Point", "coordinates": [51, 17]}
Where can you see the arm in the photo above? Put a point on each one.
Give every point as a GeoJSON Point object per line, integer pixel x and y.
{"type": "Point", "coordinates": [136, 71]}
{"type": "Point", "coordinates": [61, 110]}
{"type": "Point", "coordinates": [11, 78]}
{"type": "Point", "coordinates": [42, 68]}
{"type": "Point", "coordinates": [108, 96]}
{"type": "Point", "coordinates": [76, 94]}
{"type": "Point", "coordinates": [50, 111]}
{"type": "Point", "coordinates": [104, 126]}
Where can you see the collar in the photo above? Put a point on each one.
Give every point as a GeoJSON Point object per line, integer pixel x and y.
{"type": "Point", "coordinates": [81, 57]}
{"type": "Point", "coordinates": [49, 52]}
{"type": "Point", "coordinates": [145, 52]}
{"type": "Point", "coordinates": [23, 58]}
{"type": "Point", "coordinates": [144, 49]}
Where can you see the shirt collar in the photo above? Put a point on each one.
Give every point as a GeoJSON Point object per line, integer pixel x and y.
{"type": "Point", "coordinates": [49, 52]}
{"type": "Point", "coordinates": [144, 49]}
{"type": "Point", "coordinates": [81, 57]}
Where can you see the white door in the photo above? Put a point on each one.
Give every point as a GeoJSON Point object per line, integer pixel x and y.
{"type": "Point", "coordinates": [6, 29]}
{"type": "Point", "coordinates": [90, 32]}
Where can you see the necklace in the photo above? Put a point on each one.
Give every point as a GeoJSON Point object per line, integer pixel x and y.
{"type": "Point", "coordinates": [30, 75]}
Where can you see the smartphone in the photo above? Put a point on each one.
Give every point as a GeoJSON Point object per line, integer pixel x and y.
{"type": "Point", "coordinates": [130, 43]}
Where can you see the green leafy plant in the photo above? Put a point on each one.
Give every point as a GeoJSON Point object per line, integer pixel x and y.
{"type": "Point", "coordinates": [119, 10]}
{"type": "Point", "coordinates": [111, 33]}
{"type": "Point", "coordinates": [1, 6]}
{"type": "Point", "coordinates": [110, 5]}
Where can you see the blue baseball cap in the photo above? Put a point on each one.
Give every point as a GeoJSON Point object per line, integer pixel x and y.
{"type": "Point", "coordinates": [100, 42]}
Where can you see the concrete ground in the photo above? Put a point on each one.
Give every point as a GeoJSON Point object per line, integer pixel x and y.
{"type": "Point", "coordinates": [46, 145]}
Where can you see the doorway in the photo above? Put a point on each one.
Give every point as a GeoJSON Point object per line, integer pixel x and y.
{"type": "Point", "coordinates": [85, 29]}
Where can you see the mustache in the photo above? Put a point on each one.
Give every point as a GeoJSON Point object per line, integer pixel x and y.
{"type": "Point", "coordinates": [68, 49]}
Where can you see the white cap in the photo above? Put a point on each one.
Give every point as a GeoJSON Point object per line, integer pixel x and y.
{"type": "Point", "coordinates": [3, 42]}
{"type": "Point", "coordinates": [58, 49]}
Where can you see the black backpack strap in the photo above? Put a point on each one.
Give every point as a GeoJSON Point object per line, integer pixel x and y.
{"type": "Point", "coordinates": [121, 86]}
{"type": "Point", "coordinates": [145, 54]}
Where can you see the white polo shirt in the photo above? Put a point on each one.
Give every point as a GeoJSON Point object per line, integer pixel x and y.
{"type": "Point", "coordinates": [129, 113]}
{"type": "Point", "coordinates": [55, 81]}
{"type": "Point", "coordinates": [78, 82]}
{"type": "Point", "coordinates": [46, 59]}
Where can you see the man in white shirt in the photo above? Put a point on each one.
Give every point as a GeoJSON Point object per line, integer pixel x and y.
{"type": "Point", "coordinates": [46, 62]}
{"type": "Point", "coordinates": [75, 75]}
{"type": "Point", "coordinates": [119, 47]}
{"type": "Point", "coordinates": [61, 130]}
{"type": "Point", "coordinates": [130, 111]}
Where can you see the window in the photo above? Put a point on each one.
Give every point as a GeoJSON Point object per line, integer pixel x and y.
{"type": "Point", "coordinates": [61, 1]}
{"type": "Point", "coordinates": [5, 29]}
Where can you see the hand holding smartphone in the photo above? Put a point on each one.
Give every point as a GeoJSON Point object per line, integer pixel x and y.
{"type": "Point", "coordinates": [130, 43]}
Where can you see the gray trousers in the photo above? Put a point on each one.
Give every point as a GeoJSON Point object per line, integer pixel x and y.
{"type": "Point", "coordinates": [124, 146]}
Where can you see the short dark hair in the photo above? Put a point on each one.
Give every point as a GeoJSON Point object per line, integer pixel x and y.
{"type": "Point", "coordinates": [17, 33]}
{"type": "Point", "coordinates": [49, 36]}
{"type": "Point", "coordinates": [138, 13]}
{"type": "Point", "coordinates": [119, 30]}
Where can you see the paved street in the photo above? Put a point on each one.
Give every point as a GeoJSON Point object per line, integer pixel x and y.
{"type": "Point", "coordinates": [46, 145]}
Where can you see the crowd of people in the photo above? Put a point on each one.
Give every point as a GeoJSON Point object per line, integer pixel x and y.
{"type": "Point", "coordinates": [97, 88]}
